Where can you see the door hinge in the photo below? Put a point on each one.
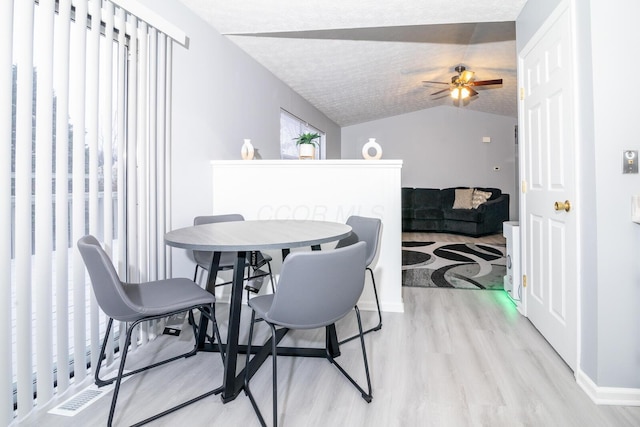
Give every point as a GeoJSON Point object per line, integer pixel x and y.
{"type": "Point", "coordinates": [521, 94]}
{"type": "Point", "coordinates": [524, 280]}
{"type": "Point", "coordinates": [524, 186]}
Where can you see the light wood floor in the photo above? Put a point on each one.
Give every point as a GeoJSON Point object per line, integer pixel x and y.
{"type": "Point", "coordinates": [454, 358]}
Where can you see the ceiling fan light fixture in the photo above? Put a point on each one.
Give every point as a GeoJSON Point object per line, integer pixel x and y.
{"type": "Point", "coordinates": [460, 92]}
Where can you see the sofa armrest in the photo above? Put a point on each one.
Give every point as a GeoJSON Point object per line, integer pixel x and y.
{"type": "Point", "coordinates": [495, 211]}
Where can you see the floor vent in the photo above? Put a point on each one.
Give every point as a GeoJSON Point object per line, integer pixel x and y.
{"type": "Point", "coordinates": [81, 400]}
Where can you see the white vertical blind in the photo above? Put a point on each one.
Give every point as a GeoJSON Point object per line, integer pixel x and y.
{"type": "Point", "coordinates": [132, 163]}
{"type": "Point", "coordinates": [164, 199]}
{"type": "Point", "coordinates": [106, 131]}
{"type": "Point", "coordinates": [131, 155]}
{"type": "Point", "coordinates": [61, 80]}
{"type": "Point", "coordinates": [152, 152]}
{"type": "Point", "coordinates": [142, 150]}
{"type": "Point", "coordinates": [43, 284]}
{"type": "Point", "coordinates": [23, 53]}
{"type": "Point", "coordinates": [87, 152]}
{"type": "Point", "coordinates": [78, 226]}
{"type": "Point", "coordinates": [93, 115]}
{"type": "Point", "coordinates": [6, 95]}
{"type": "Point", "coordinates": [121, 180]}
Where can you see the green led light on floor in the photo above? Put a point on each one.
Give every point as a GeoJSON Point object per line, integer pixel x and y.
{"type": "Point", "coordinates": [507, 303]}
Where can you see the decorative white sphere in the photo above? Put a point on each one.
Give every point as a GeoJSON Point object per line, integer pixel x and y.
{"type": "Point", "coordinates": [372, 145]}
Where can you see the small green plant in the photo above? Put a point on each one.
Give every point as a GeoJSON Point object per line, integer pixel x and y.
{"type": "Point", "coordinates": [307, 138]}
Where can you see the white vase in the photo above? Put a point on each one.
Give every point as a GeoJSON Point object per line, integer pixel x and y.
{"type": "Point", "coordinates": [372, 144]}
{"type": "Point", "coordinates": [247, 150]}
{"type": "Point", "coordinates": [307, 151]}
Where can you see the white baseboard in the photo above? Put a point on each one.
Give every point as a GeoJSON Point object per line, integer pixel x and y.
{"type": "Point", "coordinates": [608, 395]}
{"type": "Point", "coordinates": [384, 306]}
{"type": "Point", "coordinates": [392, 307]}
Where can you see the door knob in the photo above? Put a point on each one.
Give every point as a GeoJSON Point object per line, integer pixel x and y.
{"type": "Point", "coordinates": [562, 206]}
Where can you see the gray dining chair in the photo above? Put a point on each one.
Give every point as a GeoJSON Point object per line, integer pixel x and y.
{"type": "Point", "coordinates": [257, 260]}
{"type": "Point", "coordinates": [315, 290]}
{"type": "Point", "coordinates": [365, 229]}
{"type": "Point", "coordinates": [134, 303]}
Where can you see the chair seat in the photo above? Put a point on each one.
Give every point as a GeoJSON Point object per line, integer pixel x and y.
{"type": "Point", "coordinates": [261, 304]}
{"type": "Point", "coordinates": [163, 296]}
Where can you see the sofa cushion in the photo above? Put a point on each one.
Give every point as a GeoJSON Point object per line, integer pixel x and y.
{"type": "Point", "coordinates": [464, 198]}
{"type": "Point", "coordinates": [426, 198]}
{"type": "Point", "coordinates": [479, 197]}
{"type": "Point", "coordinates": [427, 213]}
{"type": "Point", "coordinates": [469, 215]}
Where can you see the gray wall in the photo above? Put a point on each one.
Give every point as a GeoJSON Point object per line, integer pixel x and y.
{"type": "Point", "coordinates": [438, 152]}
{"type": "Point", "coordinates": [609, 241]}
{"type": "Point", "coordinates": [614, 128]}
{"type": "Point", "coordinates": [220, 97]}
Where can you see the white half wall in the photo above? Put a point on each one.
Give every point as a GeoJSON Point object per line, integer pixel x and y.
{"type": "Point", "coordinates": [443, 147]}
{"type": "Point", "coordinates": [323, 190]}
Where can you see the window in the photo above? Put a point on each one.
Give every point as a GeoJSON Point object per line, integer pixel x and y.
{"type": "Point", "coordinates": [290, 127]}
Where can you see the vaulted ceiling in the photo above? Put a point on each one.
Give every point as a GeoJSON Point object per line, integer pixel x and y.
{"type": "Point", "coordinates": [357, 60]}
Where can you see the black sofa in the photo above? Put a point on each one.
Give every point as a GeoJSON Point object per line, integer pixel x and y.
{"type": "Point", "coordinates": [430, 209]}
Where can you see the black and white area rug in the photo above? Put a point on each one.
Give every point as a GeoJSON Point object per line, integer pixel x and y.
{"type": "Point", "coordinates": [453, 265]}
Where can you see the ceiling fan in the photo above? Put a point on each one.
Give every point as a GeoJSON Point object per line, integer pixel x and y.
{"type": "Point", "coordinates": [461, 85]}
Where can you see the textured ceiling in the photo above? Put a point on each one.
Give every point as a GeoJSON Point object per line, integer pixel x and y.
{"type": "Point", "coordinates": [357, 60]}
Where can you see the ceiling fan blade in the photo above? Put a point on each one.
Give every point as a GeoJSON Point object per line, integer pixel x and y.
{"type": "Point", "coordinates": [440, 91]}
{"type": "Point", "coordinates": [487, 82]}
{"type": "Point", "coordinates": [471, 92]}
{"type": "Point", "coordinates": [434, 83]}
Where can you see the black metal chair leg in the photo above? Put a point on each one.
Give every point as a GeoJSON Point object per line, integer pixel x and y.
{"type": "Point", "coordinates": [274, 357]}
{"type": "Point", "coordinates": [379, 325]}
{"type": "Point", "coordinates": [375, 293]}
{"type": "Point", "coordinates": [366, 395]}
{"type": "Point", "coordinates": [247, 390]}
{"type": "Point", "coordinates": [195, 274]}
{"type": "Point", "coordinates": [123, 358]}
{"type": "Point", "coordinates": [103, 349]}
{"type": "Point", "coordinates": [273, 282]}
{"type": "Point", "coordinates": [369, 395]}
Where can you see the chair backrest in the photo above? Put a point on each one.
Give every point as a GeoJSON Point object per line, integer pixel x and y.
{"type": "Point", "coordinates": [363, 229]}
{"type": "Point", "coordinates": [203, 257]}
{"type": "Point", "coordinates": [106, 284]}
{"type": "Point", "coordinates": [317, 288]}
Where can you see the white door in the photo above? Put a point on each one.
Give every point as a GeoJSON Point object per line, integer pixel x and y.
{"type": "Point", "coordinates": [549, 231]}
